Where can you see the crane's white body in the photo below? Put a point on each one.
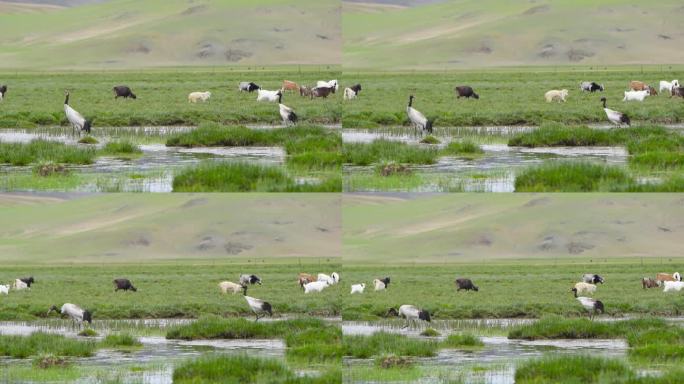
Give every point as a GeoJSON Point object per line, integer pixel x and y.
{"type": "Point", "coordinates": [286, 113]}
{"type": "Point", "coordinates": [258, 306]}
{"type": "Point", "coordinates": [73, 311]}
{"type": "Point", "coordinates": [615, 117]}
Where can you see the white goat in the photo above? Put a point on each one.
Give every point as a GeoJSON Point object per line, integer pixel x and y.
{"type": "Point", "coordinates": [358, 288]}
{"type": "Point", "coordinates": [20, 285]}
{"type": "Point", "coordinates": [4, 289]}
{"type": "Point", "coordinates": [316, 286]}
{"type": "Point", "coordinates": [328, 84]}
{"type": "Point", "coordinates": [636, 95]}
{"type": "Point", "coordinates": [194, 97]}
{"type": "Point", "coordinates": [556, 94]}
{"type": "Point", "coordinates": [226, 286]}
{"type": "Point", "coordinates": [334, 278]}
{"type": "Point", "coordinates": [670, 286]}
{"type": "Point", "coordinates": [667, 85]}
{"type": "Point", "coordinates": [269, 96]}
{"type": "Point", "coordinates": [582, 288]}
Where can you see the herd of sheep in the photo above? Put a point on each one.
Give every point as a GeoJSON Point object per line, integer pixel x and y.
{"type": "Point", "coordinates": [311, 284]}
{"type": "Point", "coordinates": [638, 90]}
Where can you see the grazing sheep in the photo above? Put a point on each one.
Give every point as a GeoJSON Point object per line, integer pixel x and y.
{"type": "Point", "coordinates": [290, 85]}
{"type": "Point", "coordinates": [334, 278]}
{"type": "Point", "coordinates": [123, 91]}
{"type": "Point", "coordinates": [268, 96]}
{"type": "Point", "coordinates": [647, 282]}
{"type": "Point", "coordinates": [669, 286]}
{"type": "Point", "coordinates": [592, 87]}
{"type": "Point", "coordinates": [466, 284]}
{"type": "Point", "coordinates": [381, 284]}
{"type": "Point", "coordinates": [466, 91]}
{"type": "Point", "coordinates": [305, 91]}
{"type": "Point", "coordinates": [322, 92]}
{"type": "Point", "coordinates": [28, 280]}
{"type": "Point", "coordinates": [349, 94]}
{"type": "Point", "coordinates": [226, 286]}
{"type": "Point", "coordinates": [668, 277]}
{"type": "Point", "coordinates": [358, 288]}
{"type": "Point", "coordinates": [592, 278]}
{"type": "Point", "coordinates": [305, 278]}
{"type": "Point", "coordinates": [74, 312]}
{"type": "Point", "coordinates": [249, 279]}
{"type": "Point", "coordinates": [248, 86]}
{"type": "Point", "coordinates": [124, 284]}
{"type": "Point", "coordinates": [677, 91]}
{"type": "Point", "coordinates": [4, 289]}
{"type": "Point", "coordinates": [555, 94]}
{"type": "Point", "coordinates": [636, 85]}
{"type": "Point", "coordinates": [667, 85]}
{"type": "Point", "coordinates": [582, 288]}
{"type": "Point", "coordinates": [194, 97]}
{"type": "Point", "coordinates": [20, 285]}
{"type": "Point", "coordinates": [636, 95]}
{"type": "Point", "coordinates": [410, 313]}
{"type": "Point", "coordinates": [328, 84]}
{"type": "Point", "coordinates": [316, 286]}
{"type": "Point", "coordinates": [3, 91]}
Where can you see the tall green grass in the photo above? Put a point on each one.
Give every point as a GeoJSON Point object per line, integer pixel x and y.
{"type": "Point", "coordinates": [44, 151]}
{"type": "Point", "coordinates": [387, 151]}
{"type": "Point", "coordinates": [573, 369]}
{"type": "Point", "coordinates": [39, 343]}
{"type": "Point", "coordinates": [121, 147]}
{"type": "Point", "coordinates": [382, 343]}
{"type": "Point", "coordinates": [571, 177]}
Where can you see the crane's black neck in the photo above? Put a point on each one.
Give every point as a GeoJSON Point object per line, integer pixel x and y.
{"type": "Point", "coordinates": [280, 98]}
{"type": "Point", "coordinates": [410, 101]}
{"type": "Point", "coordinates": [66, 99]}
{"type": "Point", "coordinates": [604, 103]}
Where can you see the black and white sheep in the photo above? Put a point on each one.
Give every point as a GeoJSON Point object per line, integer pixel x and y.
{"type": "Point", "coordinates": [592, 278]}
{"type": "Point", "coordinates": [249, 279]}
{"type": "Point", "coordinates": [381, 284]}
{"type": "Point", "coordinates": [590, 86]}
{"type": "Point", "coordinates": [248, 86]}
{"type": "Point", "coordinates": [3, 91]}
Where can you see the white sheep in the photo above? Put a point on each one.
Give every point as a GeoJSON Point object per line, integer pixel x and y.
{"type": "Point", "coordinates": [667, 85]}
{"type": "Point", "coordinates": [358, 288]}
{"type": "Point", "coordinates": [555, 94]}
{"type": "Point", "coordinates": [332, 279]}
{"type": "Point", "coordinates": [328, 84]}
{"type": "Point", "coordinates": [269, 96]}
{"type": "Point", "coordinates": [316, 286]}
{"type": "Point", "coordinates": [670, 286]}
{"type": "Point", "coordinates": [584, 288]}
{"type": "Point", "coordinates": [4, 289]}
{"type": "Point", "coordinates": [636, 95]}
{"type": "Point", "coordinates": [20, 285]}
{"type": "Point", "coordinates": [349, 94]}
{"type": "Point", "coordinates": [226, 286]}
{"type": "Point", "coordinates": [194, 97]}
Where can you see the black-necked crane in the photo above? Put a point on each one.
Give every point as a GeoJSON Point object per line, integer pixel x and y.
{"type": "Point", "coordinates": [410, 313]}
{"type": "Point", "coordinates": [288, 114]}
{"type": "Point", "coordinates": [417, 119]}
{"type": "Point", "coordinates": [591, 305]}
{"type": "Point", "coordinates": [615, 117]}
{"type": "Point", "coordinates": [258, 306]}
{"type": "Point", "coordinates": [75, 119]}
{"type": "Point", "coordinates": [74, 312]}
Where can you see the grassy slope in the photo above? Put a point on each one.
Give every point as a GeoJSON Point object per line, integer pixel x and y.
{"type": "Point", "coordinates": [475, 33]}
{"type": "Point", "coordinates": [129, 33]}
{"type": "Point", "coordinates": [114, 228]}
{"type": "Point", "coordinates": [468, 227]}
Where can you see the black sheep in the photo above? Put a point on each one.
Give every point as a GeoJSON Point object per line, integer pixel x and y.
{"type": "Point", "coordinates": [123, 91]}
{"type": "Point", "coordinates": [466, 284]}
{"type": "Point", "coordinates": [124, 284]}
{"type": "Point", "coordinates": [466, 91]}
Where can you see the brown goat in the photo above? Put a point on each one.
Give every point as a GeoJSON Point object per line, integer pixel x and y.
{"type": "Point", "coordinates": [305, 278]}
{"type": "Point", "coordinates": [290, 85]}
{"type": "Point", "coordinates": [635, 85]}
{"type": "Point", "coordinates": [322, 92]}
{"type": "Point", "coordinates": [668, 276]}
{"type": "Point", "coordinates": [304, 91]}
{"type": "Point", "coordinates": [677, 91]}
{"type": "Point", "coordinates": [647, 282]}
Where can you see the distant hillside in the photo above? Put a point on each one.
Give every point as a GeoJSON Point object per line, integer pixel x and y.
{"type": "Point", "coordinates": [475, 33]}
{"type": "Point", "coordinates": [107, 228]}
{"type": "Point", "coordinates": [487, 227]}
{"type": "Point", "coordinates": [133, 33]}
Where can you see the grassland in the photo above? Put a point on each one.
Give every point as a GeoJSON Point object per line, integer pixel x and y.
{"type": "Point", "coordinates": [187, 290]}
{"type": "Point", "coordinates": [475, 34]}
{"type": "Point", "coordinates": [509, 290]}
{"type": "Point", "coordinates": [135, 228]}
{"type": "Point", "coordinates": [513, 97]}
{"type": "Point", "coordinates": [477, 228]}
{"type": "Point", "coordinates": [131, 34]}
{"type": "Point", "coordinates": [35, 98]}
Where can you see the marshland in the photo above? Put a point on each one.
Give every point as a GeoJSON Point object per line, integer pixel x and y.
{"type": "Point", "coordinates": [147, 144]}
{"type": "Point", "coordinates": [511, 139]}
